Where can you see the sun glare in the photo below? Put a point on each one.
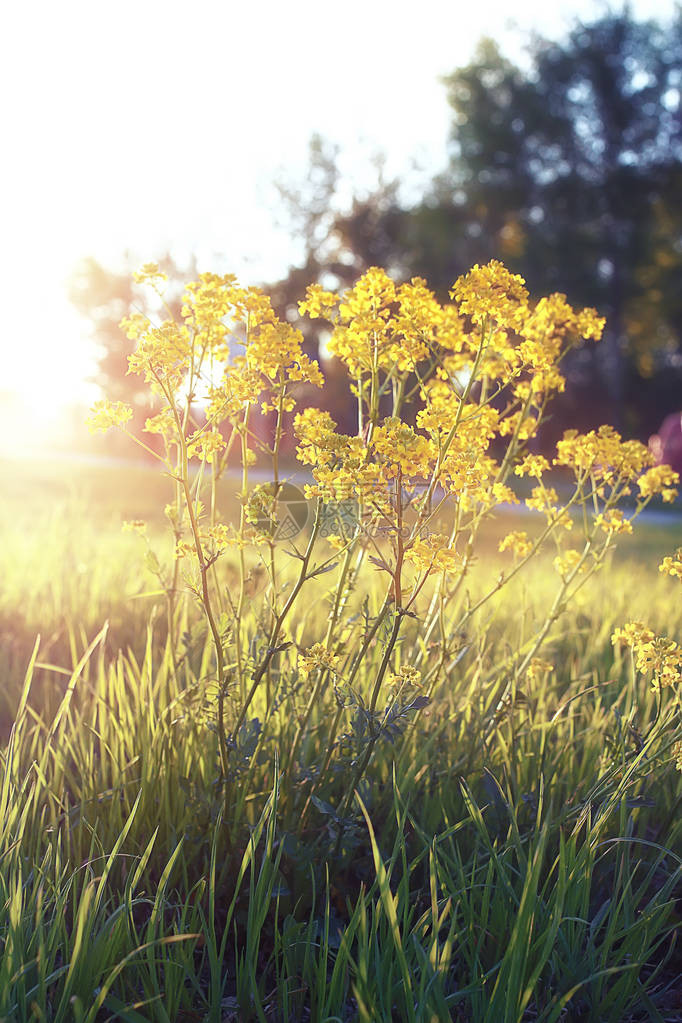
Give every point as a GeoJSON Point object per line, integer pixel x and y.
{"type": "Point", "coordinates": [145, 161]}
{"type": "Point", "coordinates": [46, 367]}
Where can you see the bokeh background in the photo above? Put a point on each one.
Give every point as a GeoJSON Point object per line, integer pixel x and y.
{"type": "Point", "coordinates": [289, 143]}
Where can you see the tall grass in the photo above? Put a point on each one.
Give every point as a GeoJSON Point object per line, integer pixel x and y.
{"type": "Point", "coordinates": [503, 860]}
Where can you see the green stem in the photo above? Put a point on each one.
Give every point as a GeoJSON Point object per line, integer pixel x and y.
{"type": "Point", "coordinates": [276, 629]}
{"type": "Point", "coordinates": [205, 593]}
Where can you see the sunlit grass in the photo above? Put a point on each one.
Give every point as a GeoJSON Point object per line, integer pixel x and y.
{"type": "Point", "coordinates": [514, 859]}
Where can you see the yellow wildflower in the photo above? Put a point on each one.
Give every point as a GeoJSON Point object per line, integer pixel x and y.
{"type": "Point", "coordinates": [318, 440]}
{"type": "Point", "coordinates": [544, 332]}
{"type": "Point", "coordinates": [537, 668]}
{"type": "Point", "coordinates": [662, 657]}
{"type": "Point", "coordinates": [499, 493]}
{"type": "Point", "coordinates": [221, 536]}
{"type": "Point", "coordinates": [543, 499]}
{"type": "Point", "coordinates": [184, 549]}
{"type": "Point", "coordinates": [318, 302]}
{"type": "Point", "coordinates": [660, 479]}
{"type": "Point", "coordinates": [525, 427]}
{"type": "Point", "coordinates": [656, 654]}
{"type": "Point", "coordinates": [492, 293]}
{"type": "Point", "coordinates": [517, 542]}
{"type": "Point", "coordinates": [532, 465]}
{"type": "Point", "coordinates": [613, 521]}
{"type": "Point", "coordinates": [407, 676]}
{"type": "Point", "coordinates": [566, 563]}
{"type": "Point", "coordinates": [162, 423]}
{"type": "Point", "coordinates": [205, 444]}
{"type": "Point", "coordinates": [105, 414]}
{"type": "Point", "coordinates": [316, 656]}
{"type": "Point", "coordinates": [149, 273]}
{"type": "Point", "coordinates": [672, 565]}
{"type": "Point", "coordinates": [433, 553]}
{"type": "Point", "coordinates": [402, 449]}
{"type": "Point", "coordinates": [362, 337]}
{"type": "Point", "coordinates": [162, 354]}
{"type": "Point", "coordinates": [603, 454]}
{"type": "Point", "coordinates": [633, 635]}
{"type": "Point", "coordinates": [415, 328]}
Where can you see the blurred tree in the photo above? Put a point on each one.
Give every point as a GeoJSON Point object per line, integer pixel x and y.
{"type": "Point", "coordinates": [570, 171]}
{"type": "Point", "coordinates": [104, 297]}
{"type": "Point", "coordinates": [340, 235]}
{"type": "Point", "coordinates": [654, 312]}
{"type": "Point", "coordinates": [564, 170]}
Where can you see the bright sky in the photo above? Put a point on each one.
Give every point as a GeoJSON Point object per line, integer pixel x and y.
{"type": "Point", "coordinates": [151, 125]}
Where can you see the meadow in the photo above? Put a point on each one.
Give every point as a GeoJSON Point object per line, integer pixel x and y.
{"type": "Point", "coordinates": [418, 766]}
{"type": "Point", "coordinates": [499, 876]}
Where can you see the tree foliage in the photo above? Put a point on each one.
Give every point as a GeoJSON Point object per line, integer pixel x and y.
{"type": "Point", "coordinates": [569, 170]}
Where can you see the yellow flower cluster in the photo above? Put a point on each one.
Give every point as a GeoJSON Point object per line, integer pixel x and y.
{"type": "Point", "coordinates": [105, 414]}
{"type": "Point", "coordinates": [407, 676]}
{"type": "Point", "coordinates": [402, 450]}
{"type": "Point", "coordinates": [419, 324]}
{"type": "Point", "coordinates": [491, 330]}
{"type": "Point", "coordinates": [205, 444]}
{"type": "Point", "coordinates": [340, 464]}
{"type": "Point", "coordinates": [319, 443]}
{"type": "Point", "coordinates": [532, 465]}
{"type": "Point", "coordinates": [524, 426]}
{"type": "Point", "coordinates": [433, 554]}
{"type": "Point", "coordinates": [656, 654]}
{"type": "Point", "coordinates": [207, 303]}
{"type": "Point", "coordinates": [543, 499]}
{"type": "Point", "coordinates": [316, 656]}
{"type": "Point", "coordinates": [162, 354]}
{"type": "Point", "coordinates": [603, 454]}
{"type": "Point", "coordinates": [672, 565]}
{"type": "Point", "coordinates": [185, 549]}
{"type": "Point", "coordinates": [544, 334]}
{"type": "Point", "coordinates": [537, 668]}
{"type": "Point", "coordinates": [378, 326]}
{"type": "Point", "coordinates": [150, 273]}
{"type": "Point", "coordinates": [492, 294]}
{"type": "Point", "coordinates": [318, 303]}
{"type": "Point", "coordinates": [467, 469]}
{"type": "Point", "coordinates": [221, 536]}
{"type": "Point", "coordinates": [453, 361]}
{"type": "Point", "coordinates": [218, 314]}
{"type": "Point", "coordinates": [162, 423]}
{"type": "Point", "coordinates": [613, 521]}
{"type": "Point", "coordinates": [516, 542]}
{"type": "Point", "coordinates": [489, 496]}
{"type": "Point", "coordinates": [567, 562]}
{"type": "Point", "coordinates": [660, 479]}
{"type": "Point", "coordinates": [273, 353]}
{"type": "Point", "coordinates": [276, 348]}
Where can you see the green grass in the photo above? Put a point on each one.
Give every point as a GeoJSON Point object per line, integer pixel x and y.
{"type": "Point", "coordinates": [502, 862]}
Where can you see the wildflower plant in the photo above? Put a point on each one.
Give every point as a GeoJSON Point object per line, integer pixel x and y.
{"type": "Point", "coordinates": [658, 657]}
{"type": "Point", "coordinates": [448, 399]}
